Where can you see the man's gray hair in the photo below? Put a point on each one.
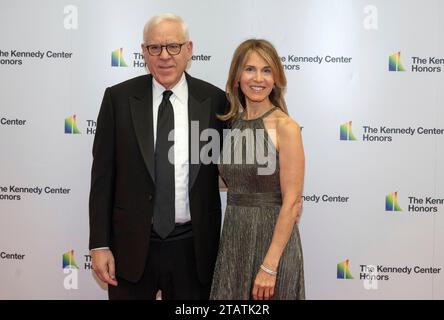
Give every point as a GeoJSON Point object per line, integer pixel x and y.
{"type": "Point", "coordinates": [154, 21]}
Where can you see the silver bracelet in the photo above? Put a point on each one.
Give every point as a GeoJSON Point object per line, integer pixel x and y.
{"type": "Point", "coordinates": [269, 271]}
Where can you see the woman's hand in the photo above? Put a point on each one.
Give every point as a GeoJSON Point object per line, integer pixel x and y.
{"type": "Point", "coordinates": [263, 288]}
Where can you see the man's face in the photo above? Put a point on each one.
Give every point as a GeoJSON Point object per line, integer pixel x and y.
{"type": "Point", "coordinates": [167, 69]}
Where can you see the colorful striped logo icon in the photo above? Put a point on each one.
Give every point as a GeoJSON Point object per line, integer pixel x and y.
{"type": "Point", "coordinates": [395, 62]}
{"type": "Point", "coordinates": [343, 270]}
{"type": "Point", "coordinates": [117, 58]}
{"type": "Point", "coordinates": [391, 202]}
{"type": "Point", "coordinates": [71, 125]}
{"type": "Point", "coordinates": [69, 260]}
{"type": "Point", "coordinates": [345, 132]}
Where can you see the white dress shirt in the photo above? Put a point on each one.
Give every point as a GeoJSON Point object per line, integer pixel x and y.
{"type": "Point", "coordinates": [179, 100]}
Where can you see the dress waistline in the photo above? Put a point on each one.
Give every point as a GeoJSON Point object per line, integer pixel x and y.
{"type": "Point", "coordinates": [265, 199]}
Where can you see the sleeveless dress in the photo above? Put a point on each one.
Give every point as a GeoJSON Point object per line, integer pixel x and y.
{"type": "Point", "coordinates": [253, 204]}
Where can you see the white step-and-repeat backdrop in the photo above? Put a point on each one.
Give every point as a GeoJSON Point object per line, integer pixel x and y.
{"type": "Point", "coordinates": [365, 80]}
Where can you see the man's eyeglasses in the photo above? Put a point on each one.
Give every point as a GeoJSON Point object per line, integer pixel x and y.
{"type": "Point", "coordinates": [172, 48]}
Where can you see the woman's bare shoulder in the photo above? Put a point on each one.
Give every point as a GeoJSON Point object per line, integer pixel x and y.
{"type": "Point", "coordinates": [286, 124]}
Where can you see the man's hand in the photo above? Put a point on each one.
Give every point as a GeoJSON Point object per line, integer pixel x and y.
{"type": "Point", "coordinates": [104, 266]}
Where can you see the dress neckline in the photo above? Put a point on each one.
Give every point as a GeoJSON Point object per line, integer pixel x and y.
{"type": "Point", "coordinates": [266, 113]}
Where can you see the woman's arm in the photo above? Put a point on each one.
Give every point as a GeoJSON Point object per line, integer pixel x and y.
{"type": "Point", "coordinates": [292, 165]}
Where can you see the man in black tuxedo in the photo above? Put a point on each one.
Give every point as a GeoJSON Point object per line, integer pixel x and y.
{"type": "Point", "coordinates": [155, 215]}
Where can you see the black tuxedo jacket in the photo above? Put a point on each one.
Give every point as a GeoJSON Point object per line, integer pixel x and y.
{"type": "Point", "coordinates": [122, 185]}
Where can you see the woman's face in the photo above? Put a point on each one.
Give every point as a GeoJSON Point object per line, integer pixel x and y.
{"type": "Point", "coordinates": [257, 80]}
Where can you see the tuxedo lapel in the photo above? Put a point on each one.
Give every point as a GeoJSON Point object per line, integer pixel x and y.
{"type": "Point", "coordinates": [141, 106]}
{"type": "Point", "coordinates": [199, 110]}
